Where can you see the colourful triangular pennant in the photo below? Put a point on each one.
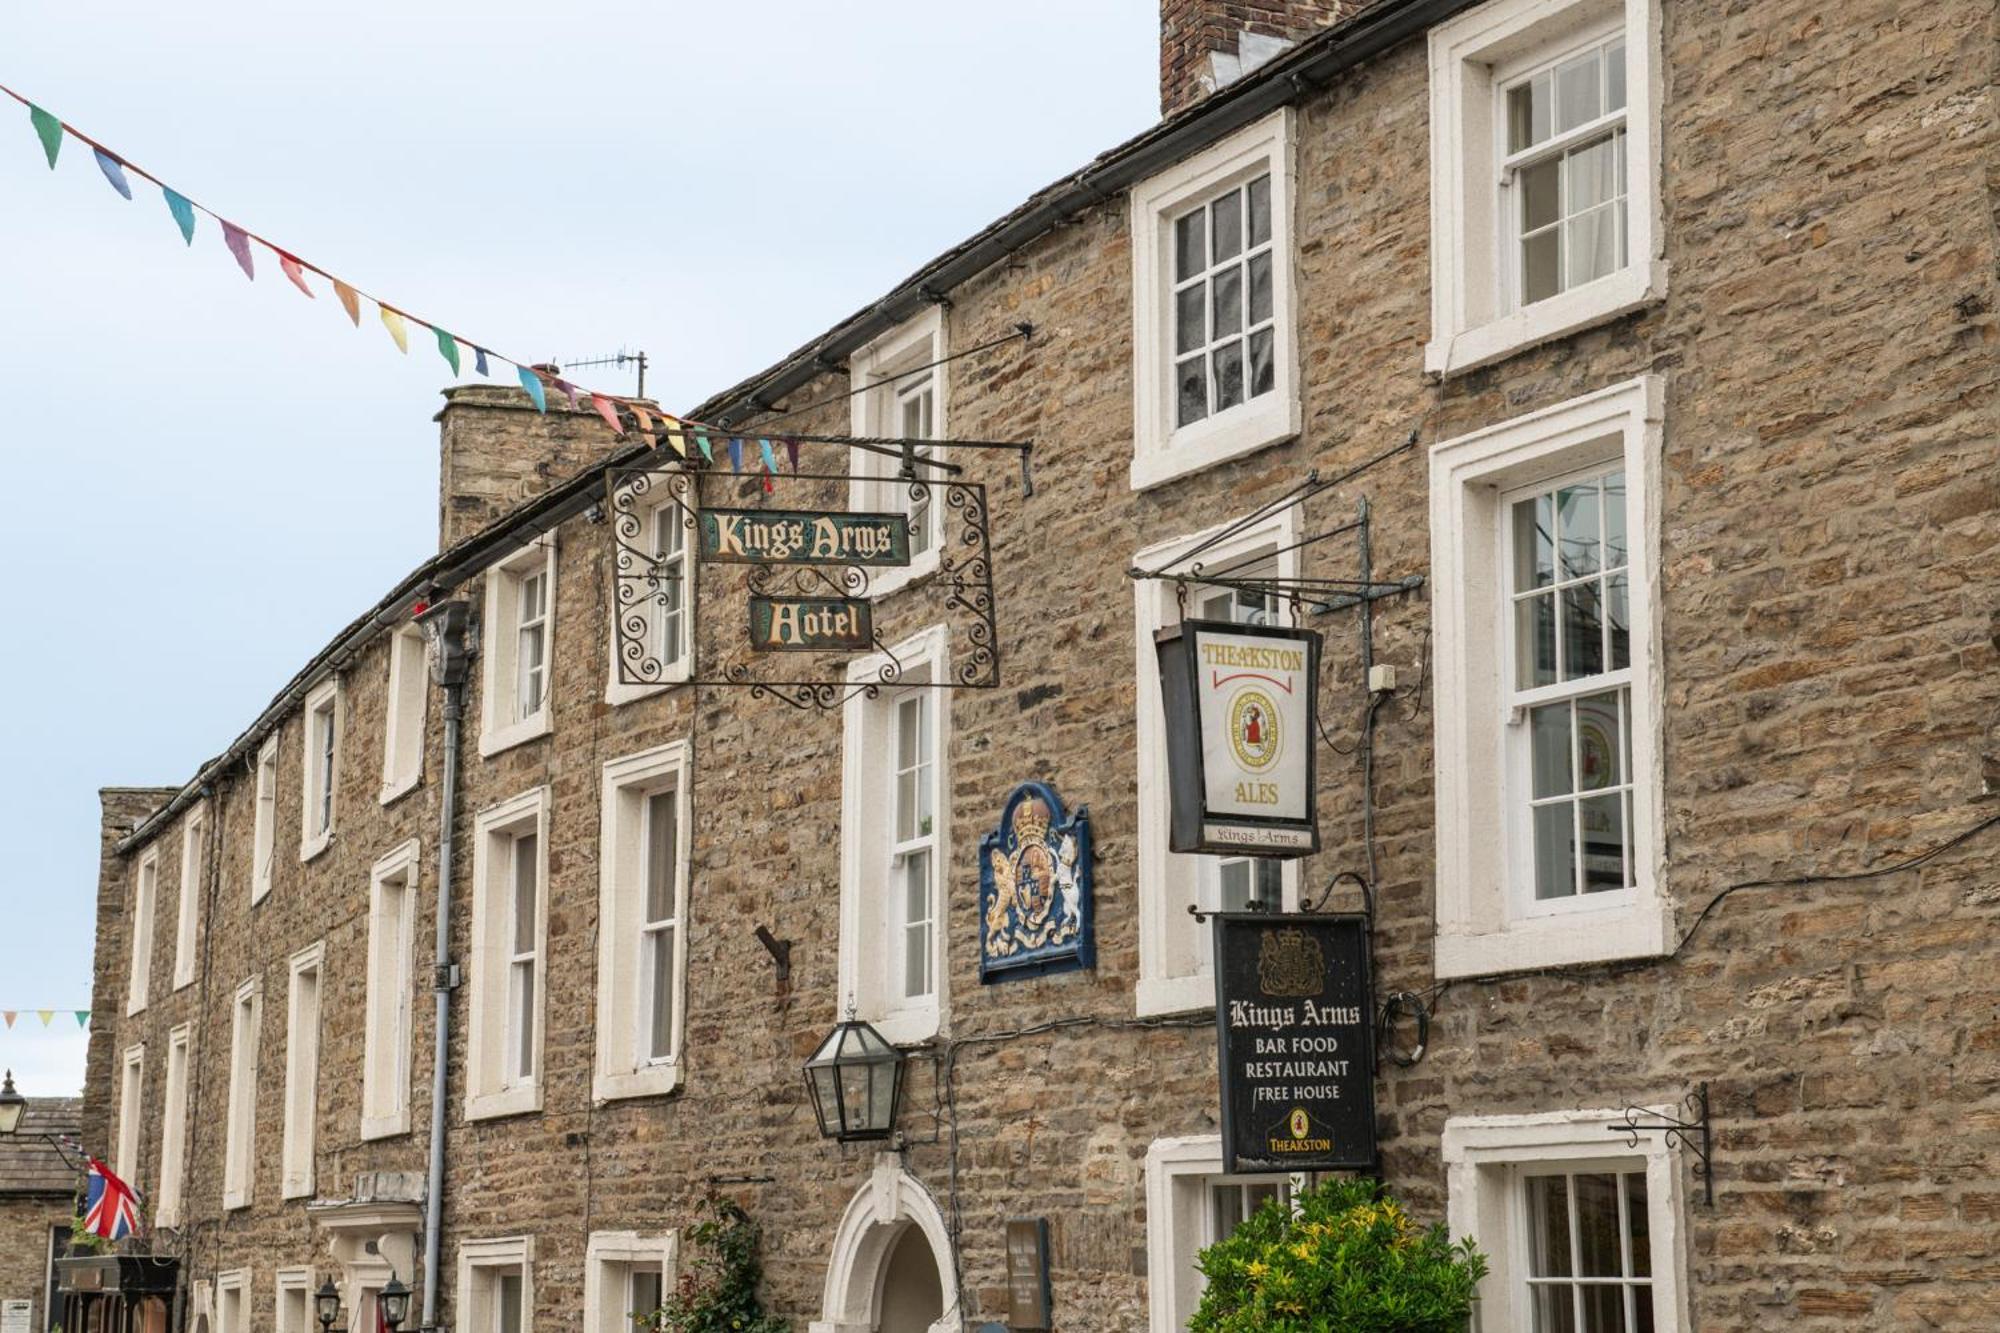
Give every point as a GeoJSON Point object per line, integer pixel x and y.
{"type": "Point", "coordinates": [701, 442]}
{"type": "Point", "coordinates": [568, 391]}
{"type": "Point", "coordinates": [792, 452]}
{"type": "Point", "coordinates": [294, 272]}
{"type": "Point", "coordinates": [49, 130]}
{"type": "Point", "coordinates": [238, 242]}
{"type": "Point", "coordinates": [183, 212]}
{"type": "Point", "coordinates": [114, 171]}
{"type": "Point", "coordinates": [735, 455]}
{"type": "Point", "coordinates": [645, 418]}
{"type": "Point", "coordinates": [10, 1015]}
{"type": "Point", "coordinates": [479, 360]}
{"type": "Point", "coordinates": [533, 384]}
{"type": "Point", "coordinates": [770, 459]}
{"type": "Point", "coordinates": [606, 410]}
{"type": "Point", "coordinates": [83, 1018]}
{"type": "Point", "coordinates": [349, 301]}
{"type": "Point", "coordinates": [393, 321]}
{"type": "Point", "coordinates": [447, 348]}
{"type": "Point", "coordinates": [45, 1015]}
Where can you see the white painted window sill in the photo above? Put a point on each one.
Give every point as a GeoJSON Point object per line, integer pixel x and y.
{"type": "Point", "coordinates": [309, 850]}
{"type": "Point", "coordinates": [395, 791]}
{"type": "Point", "coordinates": [907, 1027]}
{"type": "Point", "coordinates": [239, 1199]}
{"type": "Point", "coordinates": [617, 692]}
{"type": "Point", "coordinates": [1259, 424]}
{"type": "Point", "coordinates": [384, 1126]}
{"type": "Point", "coordinates": [654, 1081]}
{"type": "Point", "coordinates": [1638, 930]}
{"type": "Point", "coordinates": [1160, 997]}
{"type": "Point", "coordinates": [882, 582]}
{"type": "Point", "coordinates": [297, 1189]}
{"type": "Point", "coordinates": [522, 1100]}
{"type": "Point", "coordinates": [518, 733]}
{"type": "Point", "coordinates": [1616, 294]}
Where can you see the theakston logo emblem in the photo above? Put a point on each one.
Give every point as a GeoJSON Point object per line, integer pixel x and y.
{"type": "Point", "coordinates": [1253, 729]}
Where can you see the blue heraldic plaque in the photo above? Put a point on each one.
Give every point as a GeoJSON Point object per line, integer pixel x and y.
{"type": "Point", "coordinates": [1035, 914]}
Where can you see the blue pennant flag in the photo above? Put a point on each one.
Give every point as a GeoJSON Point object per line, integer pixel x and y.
{"type": "Point", "coordinates": [479, 359]}
{"type": "Point", "coordinates": [770, 459]}
{"type": "Point", "coordinates": [183, 212]}
{"type": "Point", "coordinates": [533, 384]}
{"type": "Point", "coordinates": [114, 171]}
{"type": "Point", "coordinates": [735, 455]}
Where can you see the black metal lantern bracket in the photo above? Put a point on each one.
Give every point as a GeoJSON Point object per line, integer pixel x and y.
{"type": "Point", "coordinates": [1696, 1135]}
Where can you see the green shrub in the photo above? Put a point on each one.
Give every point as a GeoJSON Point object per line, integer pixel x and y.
{"type": "Point", "coordinates": [1348, 1260]}
{"type": "Point", "coordinates": [718, 1293]}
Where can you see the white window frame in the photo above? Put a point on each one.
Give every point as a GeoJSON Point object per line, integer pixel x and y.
{"type": "Point", "coordinates": [480, 1263]}
{"type": "Point", "coordinates": [304, 1004]}
{"type": "Point", "coordinates": [658, 508]}
{"type": "Point", "coordinates": [187, 918]}
{"type": "Point", "coordinates": [293, 1282]}
{"type": "Point", "coordinates": [625, 1064]}
{"type": "Point", "coordinates": [389, 1016]}
{"type": "Point", "coordinates": [131, 1109]}
{"type": "Point", "coordinates": [319, 789]}
{"type": "Point", "coordinates": [491, 1087]}
{"type": "Point", "coordinates": [1487, 921]}
{"type": "Point", "coordinates": [405, 705]}
{"type": "Point", "coordinates": [1485, 1158]}
{"type": "Point", "coordinates": [145, 905]}
{"type": "Point", "coordinates": [607, 1264]}
{"type": "Point", "coordinates": [239, 1152]}
{"type": "Point", "coordinates": [868, 981]}
{"type": "Point", "coordinates": [1179, 1172]}
{"type": "Point", "coordinates": [1162, 451]}
{"type": "Point", "coordinates": [886, 369]}
{"type": "Point", "coordinates": [167, 1198]}
{"type": "Point", "coordinates": [1175, 974]}
{"type": "Point", "coordinates": [232, 1302]}
{"type": "Point", "coordinates": [264, 820]}
{"type": "Point", "coordinates": [1474, 320]}
{"type": "Point", "coordinates": [502, 724]}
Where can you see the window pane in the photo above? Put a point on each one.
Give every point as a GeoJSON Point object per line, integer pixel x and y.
{"type": "Point", "coordinates": [524, 1019]}
{"type": "Point", "coordinates": [1583, 631]}
{"type": "Point", "coordinates": [1541, 265]}
{"type": "Point", "coordinates": [1614, 76]}
{"type": "Point", "coordinates": [1227, 221]}
{"type": "Point", "coordinates": [1597, 742]}
{"type": "Point", "coordinates": [1594, 244]}
{"type": "Point", "coordinates": [661, 1018]}
{"type": "Point", "coordinates": [1599, 1247]}
{"type": "Point", "coordinates": [660, 855]}
{"type": "Point", "coordinates": [1576, 510]}
{"type": "Point", "coordinates": [1548, 727]}
{"type": "Point", "coordinates": [1228, 374]}
{"type": "Point", "coordinates": [524, 893]}
{"type": "Point", "coordinates": [1263, 367]}
{"type": "Point", "coordinates": [1534, 552]}
{"type": "Point", "coordinates": [1260, 288]}
{"type": "Point", "coordinates": [917, 930]}
{"type": "Point", "coordinates": [1270, 879]}
{"type": "Point", "coordinates": [1260, 210]}
{"type": "Point", "coordinates": [1190, 245]}
{"type": "Point", "coordinates": [646, 1294]}
{"type": "Point", "coordinates": [1555, 1309]}
{"type": "Point", "coordinates": [1642, 1236]}
{"type": "Point", "coordinates": [1541, 195]}
{"type": "Point", "coordinates": [1591, 176]}
{"type": "Point", "coordinates": [1229, 301]}
{"type": "Point", "coordinates": [508, 1304]}
{"type": "Point", "coordinates": [1615, 556]}
{"type": "Point", "coordinates": [1642, 1309]}
{"type": "Point", "coordinates": [1603, 843]}
{"type": "Point", "coordinates": [1535, 641]}
{"type": "Point", "coordinates": [1555, 851]}
{"type": "Point", "coordinates": [1578, 96]}
{"type": "Point", "coordinates": [1548, 1226]}
{"type": "Point", "coordinates": [1604, 1309]}
{"type": "Point", "coordinates": [1528, 113]}
{"type": "Point", "coordinates": [1192, 394]}
{"type": "Point", "coordinates": [1191, 318]}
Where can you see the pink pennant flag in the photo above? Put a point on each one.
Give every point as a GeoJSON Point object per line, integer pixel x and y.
{"type": "Point", "coordinates": [608, 412]}
{"type": "Point", "coordinates": [10, 1015]}
{"type": "Point", "coordinates": [238, 242]}
{"type": "Point", "coordinates": [294, 272]}
{"type": "Point", "coordinates": [569, 392]}
{"type": "Point", "coordinates": [393, 321]}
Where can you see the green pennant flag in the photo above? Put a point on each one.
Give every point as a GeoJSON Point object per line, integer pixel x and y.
{"type": "Point", "coordinates": [447, 348]}
{"type": "Point", "coordinates": [49, 130]}
{"type": "Point", "coordinates": [701, 441]}
{"type": "Point", "coordinates": [83, 1018]}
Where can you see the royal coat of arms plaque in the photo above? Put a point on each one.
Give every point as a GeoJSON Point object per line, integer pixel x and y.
{"type": "Point", "coordinates": [1035, 914]}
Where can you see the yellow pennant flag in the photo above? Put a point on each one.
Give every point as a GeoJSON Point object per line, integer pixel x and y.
{"type": "Point", "coordinates": [394, 323]}
{"type": "Point", "coordinates": [673, 435]}
{"type": "Point", "coordinates": [45, 1015]}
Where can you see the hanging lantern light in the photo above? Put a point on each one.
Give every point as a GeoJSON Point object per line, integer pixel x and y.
{"type": "Point", "coordinates": [856, 1081]}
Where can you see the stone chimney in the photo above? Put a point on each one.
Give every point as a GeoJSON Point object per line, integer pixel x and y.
{"type": "Point", "coordinates": [1209, 44]}
{"type": "Point", "coordinates": [495, 451]}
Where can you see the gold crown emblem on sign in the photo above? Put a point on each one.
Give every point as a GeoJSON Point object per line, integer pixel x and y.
{"type": "Point", "coordinates": [1290, 964]}
{"type": "Point", "coordinates": [1031, 821]}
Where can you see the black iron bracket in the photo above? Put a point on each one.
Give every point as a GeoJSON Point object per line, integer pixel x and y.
{"type": "Point", "coordinates": [780, 950]}
{"type": "Point", "coordinates": [1696, 1135]}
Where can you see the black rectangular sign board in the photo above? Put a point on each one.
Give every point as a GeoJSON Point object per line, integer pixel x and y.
{"type": "Point", "coordinates": [1294, 1022]}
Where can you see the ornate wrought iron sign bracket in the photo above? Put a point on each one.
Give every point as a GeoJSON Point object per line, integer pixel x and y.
{"type": "Point", "coordinates": [1696, 1135]}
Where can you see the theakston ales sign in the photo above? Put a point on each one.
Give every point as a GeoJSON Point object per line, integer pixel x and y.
{"type": "Point", "coordinates": [803, 537]}
{"type": "Point", "coordinates": [1241, 707]}
{"type": "Point", "coordinates": [1294, 1020]}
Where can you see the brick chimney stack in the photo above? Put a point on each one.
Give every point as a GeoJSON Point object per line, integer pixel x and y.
{"type": "Point", "coordinates": [1208, 44]}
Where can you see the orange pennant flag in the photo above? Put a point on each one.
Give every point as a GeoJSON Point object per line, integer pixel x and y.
{"type": "Point", "coordinates": [608, 411]}
{"type": "Point", "coordinates": [393, 321]}
{"type": "Point", "coordinates": [292, 271]}
{"type": "Point", "coordinates": [348, 300]}
{"type": "Point", "coordinates": [10, 1015]}
{"type": "Point", "coordinates": [645, 417]}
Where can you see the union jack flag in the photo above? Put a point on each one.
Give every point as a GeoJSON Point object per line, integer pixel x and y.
{"type": "Point", "coordinates": [110, 1206]}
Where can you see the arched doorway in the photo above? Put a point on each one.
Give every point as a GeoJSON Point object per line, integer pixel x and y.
{"type": "Point", "coordinates": [890, 1270]}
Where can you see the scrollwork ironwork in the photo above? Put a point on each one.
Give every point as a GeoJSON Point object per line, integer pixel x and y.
{"type": "Point", "coordinates": [1696, 1134]}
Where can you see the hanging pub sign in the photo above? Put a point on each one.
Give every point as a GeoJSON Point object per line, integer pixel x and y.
{"type": "Point", "coordinates": [810, 624]}
{"type": "Point", "coordinates": [803, 537]}
{"type": "Point", "coordinates": [1242, 711]}
{"type": "Point", "coordinates": [1294, 1026]}
{"type": "Point", "coordinates": [1034, 889]}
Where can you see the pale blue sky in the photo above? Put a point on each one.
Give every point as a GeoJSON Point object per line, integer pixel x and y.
{"type": "Point", "coordinates": [207, 477]}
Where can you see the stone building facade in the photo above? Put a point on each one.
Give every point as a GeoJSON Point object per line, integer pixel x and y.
{"type": "Point", "coordinates": [1658, 337]}
{"type": "Point", "coordinates": [37, 1205]}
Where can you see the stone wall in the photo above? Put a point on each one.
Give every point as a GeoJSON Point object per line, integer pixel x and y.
{"type": "Point", "coordinates": [24, 1250]}
{"type": "Point", "coordinates": [1829, 600]}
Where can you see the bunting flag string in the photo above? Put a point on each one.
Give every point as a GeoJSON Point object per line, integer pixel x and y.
{"type": "Point", "coordinates": [11, 1016]}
